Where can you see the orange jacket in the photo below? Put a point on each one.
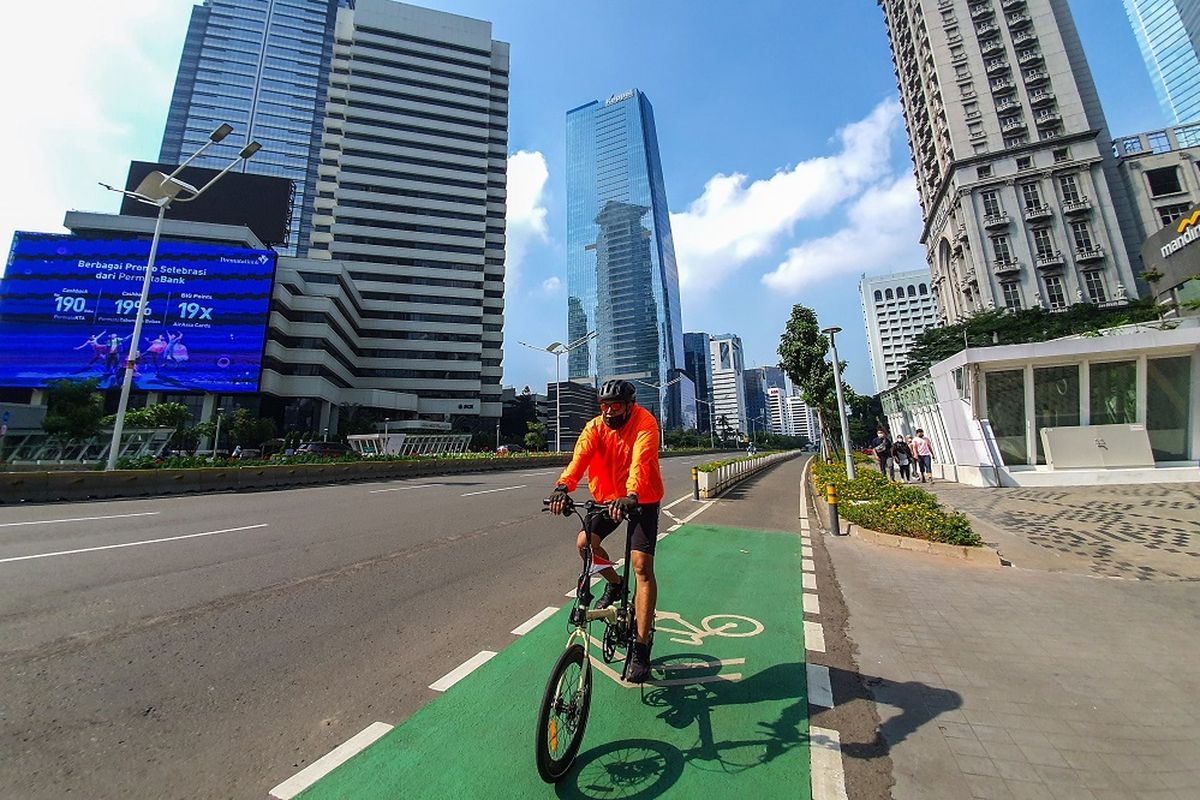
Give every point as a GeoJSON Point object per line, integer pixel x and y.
{"type": "Point", "coordinates": [618, 462]}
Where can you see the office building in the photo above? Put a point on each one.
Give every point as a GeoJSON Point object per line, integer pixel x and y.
{"type": "Point", "coordinates": [400, 166]}
{"type": "Point", "coordinates": [622, 280]}
{"type": "Point", "coordinates": [756, 382]}
{"type": "Point", "coordinates": [729, 393]}
{"type": "Point", "coordinates": [1011, 154]}
{"type": "Point", "coordinates": [697, 361]}
{"type": "Point", "coordinates": [263, 67]}
{"type": "Point", "coordinates": [579, 406]}
{"type": "Point", "coordinates": [896, 309]}
{"type": "Point", "coordinates": [803, 419]}
{"type": "Point", "coordinates": [1168, 34]}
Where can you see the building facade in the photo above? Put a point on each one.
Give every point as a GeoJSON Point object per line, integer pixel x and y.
{"type": "Point", "coordinates": [263, 67]}
{"type": "Point", "coordinates": [729, 393]}
{"type": "Point", "coordinates": [697, 360]}
{"type": "Point", "coordinates": [622, 281]}
{"type": "Point", "coordinates": [757, 382]}
{"type": "Point", "coordinates": [1168, 34]}
{"type": "Point", "coordinates": [896, 309]}
{"type": "Point", "coordinates": [803, 419]}
{"type": "Point", "coordinates": [579, 406]}
{"type": "Point", "coordinates": [1159, 168]}
{"type": "Point", "coordinates": [393, 121]}
{"type": "Point", "coordinates": [1018, 187]}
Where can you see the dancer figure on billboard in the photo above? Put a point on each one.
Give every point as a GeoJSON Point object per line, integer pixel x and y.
{"type": "Point", "coordinates": [154, 351]}
{"type": "Point", "coordinates": [99, 348]}
{"type": "Point", "coordinates": [176, 351]}
{"type": "Point", "coordinates": [112, 354]}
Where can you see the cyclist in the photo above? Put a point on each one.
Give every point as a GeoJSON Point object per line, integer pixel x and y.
{"type": "Point", "coordinates": [619, 451]}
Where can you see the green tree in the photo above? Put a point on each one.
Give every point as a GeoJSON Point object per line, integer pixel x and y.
{"type": "Point", "coordinates": [515, 418]}
{"type": "Point", "coordinates": [75, 409]}
{"type": "Point", "coordinates": [160, 415]}
{"type": "Point", "coordinates": [802, 355]}
{"type": "Point", "coordinates": [535, 438]}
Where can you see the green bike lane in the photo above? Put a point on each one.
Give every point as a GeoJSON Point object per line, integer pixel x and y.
{"type": "Point", "coordinates": [726, 711]}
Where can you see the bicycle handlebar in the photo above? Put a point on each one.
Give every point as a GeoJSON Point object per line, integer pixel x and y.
{"type": "Point", "coordinates": [591, 508]}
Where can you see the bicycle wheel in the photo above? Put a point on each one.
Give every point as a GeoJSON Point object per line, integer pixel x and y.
{"type": "Point", "coordinates": [564, 714]}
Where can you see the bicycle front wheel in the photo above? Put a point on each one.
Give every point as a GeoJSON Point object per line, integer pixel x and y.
{"type": "Point", "coordinates": [564, 714]}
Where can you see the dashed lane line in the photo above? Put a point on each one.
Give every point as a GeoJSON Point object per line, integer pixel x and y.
{"type": "Point", "coordinates": [330, 761]}
{"type": "Point", "coordinates": [674, 503]}
{"type": "Point", "coordinates": [76, 519]}
{"type": "Point", "coordinates": [810, 581]}
{"type": "Point", "coordinates": [807, 565]}
{"type": "Point", "coordinates": [405, 488]}
{"type": "Point", "coordinates": [490, 491]}
{"type": "Point", "coordinates": [131, 544]}
{"type": "Point", "coordinates": [462, 670]}
{"type": "Point", "coordinates": [814, 636]}
{"type": "Point", "coordinates": [828, 779]}
{"type": "Point", "coordinates": [820, 693]}
{"type": "Point", "coordinates": [812, 604]}
{"type": "Point", "coordinates": [531, 623]}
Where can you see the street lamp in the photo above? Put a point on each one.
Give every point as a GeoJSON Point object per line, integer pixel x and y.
{"type": "Point", "coordinates": [217, 438]}
{"type": "Point", "coordinates": [837, 385]}
{"type": "Point", "coordinates": [558, 350]}
{"type": "Point", "coordinates": [158, 189]}
{"type": "Point", "coordinates": [711, 423]}
{"type": "Point", "coordinates": [386, 421]}
{"type": "Point", "coordinates": [662, 401]}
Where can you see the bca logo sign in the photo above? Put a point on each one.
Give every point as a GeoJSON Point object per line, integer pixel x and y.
{"type": "Point", "coordinates": [466, 406]}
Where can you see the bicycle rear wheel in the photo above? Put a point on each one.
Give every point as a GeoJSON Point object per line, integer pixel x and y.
{"type": "Point", "coordinates": [563, 714]}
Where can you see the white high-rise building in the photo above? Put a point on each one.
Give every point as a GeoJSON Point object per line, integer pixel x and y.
{"type": "Point", "coordinates": [896, 309]}
{"type": "Point", "coordinates": [803, 419]}
{"type": "Point", "coordinates": [1018, 186]}
{"type": "Point", "coordinates": [729, 399]}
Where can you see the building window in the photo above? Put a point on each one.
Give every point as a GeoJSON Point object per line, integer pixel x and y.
{"type": "Point", "coordinates": [1094, 283]}
{"type": "Point", "coordinates": [1054, 292]}
{"type": "Point", "coordinates": [1031, 195]}
{"type": "Point", "coordinates": [1164, 180]}
{"type": "Point", "coordinates": [1056, 394]}
{"type": "Point", "coordinates": [1012, 295]}
{"type": "Point", "coordinates": [991, 204]}
{"type": "Point", "coordinates": [923, 289]}
{"type": "Point", "coordinates": [1070, 188]}
{"type": "Point", "coordinates": [1000, 248]}
{"type": "Point", "coordinates": [1043, 242]}
{"type": "Point", "coordinates": [1187, 135]}
{"type": "Point", "coordinates": [1167, 406]}
{"type": "Point", "coordinates": [889, 294]}
{"type": "Point", "coordinates": [984, 172]}
{"type": "Point", "coordinates": [1024, 162]}
{"type": "Point", "coordinates": [1113, 389]}
{"type": "Point", "coordinates": [1015, 141]}
{"type": "Point", "coordinates": [1082, 235]}
{"type": "Point", "coordinates": [1159, 143]}
{"type": "Point", "coordinates": [1062, 154]}
{"type": "Point", "coordinates": [1169, 214]}
{"type": "Point", "coordinates": [1006, 412]}
{"type": "Point", "coordinates": [912, 290]}
{"type": "Point", "coordinates": [1129, 146]}
{"type": "Point", "coordinates": [878, 296]}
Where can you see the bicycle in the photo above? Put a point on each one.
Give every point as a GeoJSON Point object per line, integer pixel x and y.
{"type": "Point", "coordinates": [568, 697]}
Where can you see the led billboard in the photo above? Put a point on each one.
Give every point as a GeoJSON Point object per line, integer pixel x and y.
{"type": "Point", "coordinates": [68, 304]}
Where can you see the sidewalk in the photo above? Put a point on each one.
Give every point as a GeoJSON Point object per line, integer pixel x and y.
{"type": "Point", "coordinates": [1035, 683]}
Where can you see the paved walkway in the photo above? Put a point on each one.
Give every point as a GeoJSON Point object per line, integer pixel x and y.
{"type": "Point", "coordinates": [1142, 532]}
{"type": "Point", "coordinates": [1031, 683]}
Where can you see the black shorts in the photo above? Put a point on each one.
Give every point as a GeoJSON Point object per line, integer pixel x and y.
{"type": "Point", "coordinates": [643, 529]}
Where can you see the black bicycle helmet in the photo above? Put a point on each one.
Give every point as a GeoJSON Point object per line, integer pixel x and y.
{"type": "Point", "coordinates": [616, 390]}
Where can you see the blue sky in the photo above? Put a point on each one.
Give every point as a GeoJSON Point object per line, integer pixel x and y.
{"type": "Point", "coordinates": [785, 161]}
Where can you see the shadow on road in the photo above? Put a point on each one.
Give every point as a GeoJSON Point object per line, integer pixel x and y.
{"type": "Point", "coordinates": [644, 768]}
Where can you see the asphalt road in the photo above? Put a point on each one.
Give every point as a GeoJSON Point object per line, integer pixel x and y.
{"type": "Point", "coordinates": [283, 623]}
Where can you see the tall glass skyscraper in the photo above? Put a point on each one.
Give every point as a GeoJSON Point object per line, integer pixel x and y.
{"type": "Point", "coordinates": [697, 360]}
{"type": "Point", "coordinates": [622, 280]}
{"type": "Point", "coordinates": [263, 67]}
{"type": "Point", "coordinates": [1168, 32]}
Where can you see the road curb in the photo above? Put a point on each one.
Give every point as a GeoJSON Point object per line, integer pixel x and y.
{"type": "Point", "coordinates": [976, 555]}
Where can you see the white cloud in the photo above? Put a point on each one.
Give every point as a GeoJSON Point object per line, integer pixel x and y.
{"type": "Point", "coordinates": [882, 235]}
{"type": "Point", "coordinates": [526, 217]}
{"type": "Point", "coordinates": [89, 97]}
{"type": "Point", "coordinates": [732, 222]}
{"type": "Point", "coordinates": [552, 285]}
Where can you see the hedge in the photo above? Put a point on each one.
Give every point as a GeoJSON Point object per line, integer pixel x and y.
{"type": "Point", "coordinates": [873, 501]}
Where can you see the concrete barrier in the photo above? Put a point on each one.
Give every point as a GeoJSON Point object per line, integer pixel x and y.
{"type": "Point", "coordinates": [723, 478]}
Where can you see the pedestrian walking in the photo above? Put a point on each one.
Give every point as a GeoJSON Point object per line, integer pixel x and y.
{"type": "Point", "coordinates": [882, 446]}
{"type": "Point", "coordinates": [903, 457]}
{"type": "Point", "coordinates": [924, 452]}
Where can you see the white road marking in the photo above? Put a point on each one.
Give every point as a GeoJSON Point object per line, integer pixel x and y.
{"type": "Point", "coordinates": [330, 761]}
{"type": "Point", "coordinates": [819, 691]}
{"type": "Point", "coordinates": [807, 565]}
{"type": "Point", "coordinates": [77, 519]}
{"type": "Point", "coordinates": [805, 550]}
{"type": "Point", "coordinates": [812, 603]}
{"type": "Point", "coordinates": [462, 670]}
{"type": "Point", "coordinates": [674, 503]}
{"type": "Point", "coordinates": [810, 581]}
{"type": "Point", "coordinates": [697, 512]}
{"type": "Point", "coordinates": [403, 488]}
{"type": "Point", "coordinates": [131, 544]}
{"type": "Point", "coordinates": [489, 491]}
{"type": "Point", "coordinates": [543, 472]}
{"type": "Point", "coordinates": [814, 636]}
{"type": "Point", "coordinates": [674, 527]}
{"type": "Point", "coordinates": [825, 750]}
{"type": "Point", "coordinates": [724, 662]}
{"type": "Point", "coordinates": [531, 623]}
{"type": "Point", "coordinates": [672, 516]}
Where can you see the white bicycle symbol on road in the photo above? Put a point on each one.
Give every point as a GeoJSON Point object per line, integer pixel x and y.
{"type": "Point", "coordinates": [733, 626]}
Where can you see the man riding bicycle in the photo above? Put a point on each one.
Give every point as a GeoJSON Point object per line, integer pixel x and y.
{"type": "Point", "coordinates": [619, 451]}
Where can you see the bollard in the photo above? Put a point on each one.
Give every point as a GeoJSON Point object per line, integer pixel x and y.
{"type": "Point", "coordinates": [695, 484]}
{"type": "Point", "coordinates": [831, 498]}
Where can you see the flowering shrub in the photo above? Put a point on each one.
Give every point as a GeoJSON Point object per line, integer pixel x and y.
{"type": "Point", "coordinates": [873, 501]}
{"type": "Point", "coordinates": [712, 466]}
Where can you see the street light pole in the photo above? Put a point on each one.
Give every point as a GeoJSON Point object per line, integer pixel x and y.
{"type": "Point", "coordinates": [837, 385]}
{"type": "Point", "coordinates": [217, 438]}
{"type": "Point", "coordinates": [158, 189]}
{"type": "Point", "coordinates": [662, 403]}
{"type": "Point", "coordinates": [558, 350]}
{"type": "Point", "coordinates": [711, 424]}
